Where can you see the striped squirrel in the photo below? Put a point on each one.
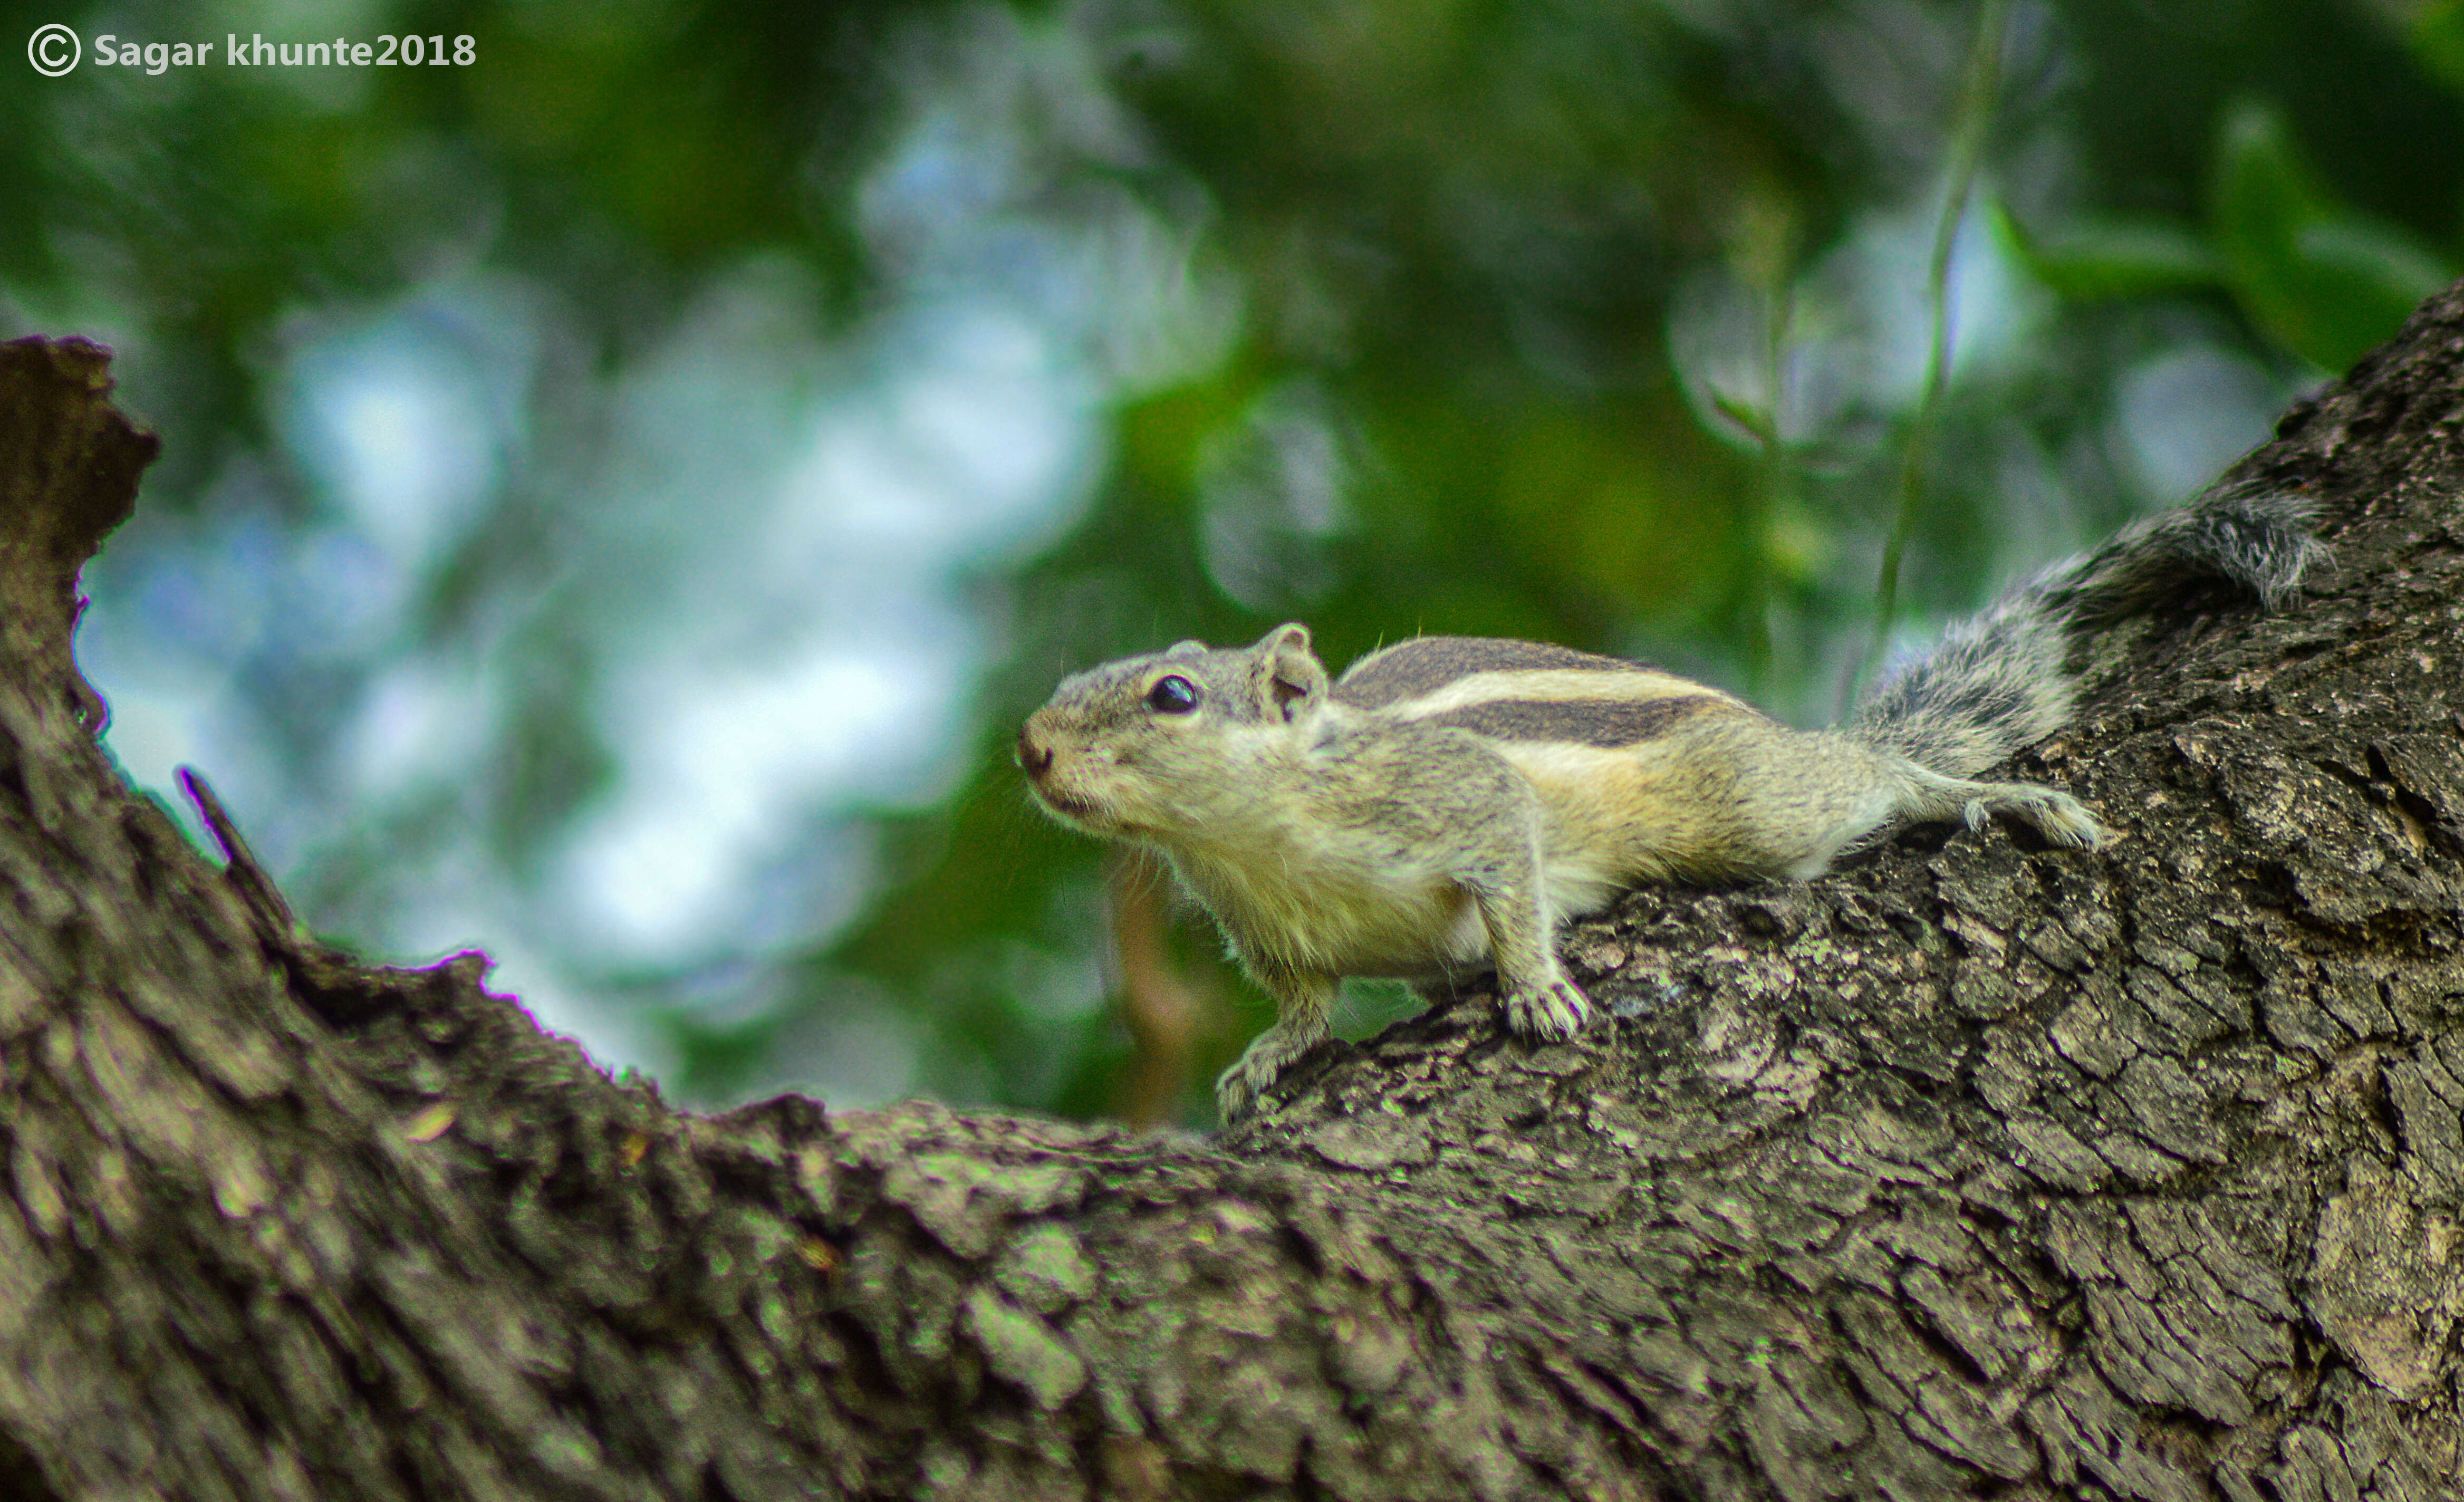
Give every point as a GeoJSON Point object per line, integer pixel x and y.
{"type": "Point", "coordinates": [1449, 800]}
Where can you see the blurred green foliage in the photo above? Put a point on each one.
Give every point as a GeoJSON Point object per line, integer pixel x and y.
{"type": "Point", "coordinates": [1599, 323]}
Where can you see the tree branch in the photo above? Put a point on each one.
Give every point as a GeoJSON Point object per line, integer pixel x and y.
{"type": "Point", "coordinates": [1976, 1168]}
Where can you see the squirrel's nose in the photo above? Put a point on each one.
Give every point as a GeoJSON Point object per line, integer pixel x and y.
{"type": "Point", "coordinates": [1035, 759]}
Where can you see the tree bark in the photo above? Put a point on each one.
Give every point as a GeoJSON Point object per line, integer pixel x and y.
{"type": "Point", "coordinates": [1978, 1168]}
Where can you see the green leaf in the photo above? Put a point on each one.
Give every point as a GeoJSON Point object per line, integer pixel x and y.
{"type": "Point", "coordinates": [2091, 259]}
{"type": "Point", "coordinates": [2322, 278]}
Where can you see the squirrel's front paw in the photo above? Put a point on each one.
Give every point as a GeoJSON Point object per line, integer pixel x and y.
{"type": "Point", "coordinates": [1239, 1089]}
{"type": "Point", "coordinates": [1554, 1011]}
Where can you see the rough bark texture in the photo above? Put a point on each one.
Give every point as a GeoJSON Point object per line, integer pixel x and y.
{"type": "Point", "coordinates": [1976, 1169]}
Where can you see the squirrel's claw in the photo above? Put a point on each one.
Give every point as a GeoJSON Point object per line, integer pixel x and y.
{"type": "Point", "coordinates": [1553, 1011]}
{"type": "Point", "coordinates": [1240, 1089]}
{"type": "Point", "coordinates": [2065, 821]}
{"type": "Point", "coordinates": [2061, 818]}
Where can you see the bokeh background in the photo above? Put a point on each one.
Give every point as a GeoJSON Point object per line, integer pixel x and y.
{"type": "Point", "coordinates": [620, 493]}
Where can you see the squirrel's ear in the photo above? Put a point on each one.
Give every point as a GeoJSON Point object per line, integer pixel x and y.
{"type": "Point", "coordinates": [1291, 636]}
{"type": "Point", "coordinates": [1291, 675]}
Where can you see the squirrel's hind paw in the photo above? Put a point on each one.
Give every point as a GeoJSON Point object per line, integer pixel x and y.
{"type": "Point", "coordinates": [2061, 818]}
{"type": "Point", "coordinates": [2064, 820]}
{"type": "Point", "coordinates": [1553, 1011]}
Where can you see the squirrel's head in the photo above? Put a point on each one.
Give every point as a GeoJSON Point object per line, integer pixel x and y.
{"type": "Point", "coordinates": [1145, 747]}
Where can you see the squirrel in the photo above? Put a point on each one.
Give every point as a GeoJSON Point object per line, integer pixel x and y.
{"type": "Point", "coordinates": [1447, 802]}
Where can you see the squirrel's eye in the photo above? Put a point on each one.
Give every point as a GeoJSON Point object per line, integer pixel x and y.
{"type": "Point", "coordinates": [1172, 695]}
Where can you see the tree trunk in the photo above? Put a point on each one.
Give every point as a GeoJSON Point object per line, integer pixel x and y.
{"type": "Point", "coordinates": [1979, 1169]}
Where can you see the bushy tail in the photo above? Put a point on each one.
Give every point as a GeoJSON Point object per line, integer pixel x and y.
{"type": "Point", "coordinates": [2000, 681]}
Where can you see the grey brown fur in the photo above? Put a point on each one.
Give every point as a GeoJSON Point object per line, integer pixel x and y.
{"type": "Point", "coordinates": [2000, 681]}
{"type": "Point", "coordinates": [1448, 801]}
{"type": "Point", "coordinates": [1412, 667]}
{"type": "Point", "coordinates": [1588, 723]}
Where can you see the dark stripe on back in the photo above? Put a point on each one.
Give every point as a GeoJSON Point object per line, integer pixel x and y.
{"type": "Point", "coordinates": [1591, 723]}
{"type": "Point", "coordinates": [1408, 669]}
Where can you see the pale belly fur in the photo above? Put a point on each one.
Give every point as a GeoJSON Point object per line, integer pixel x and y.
{"type": "Point", "coordinates": [1365, 913]}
